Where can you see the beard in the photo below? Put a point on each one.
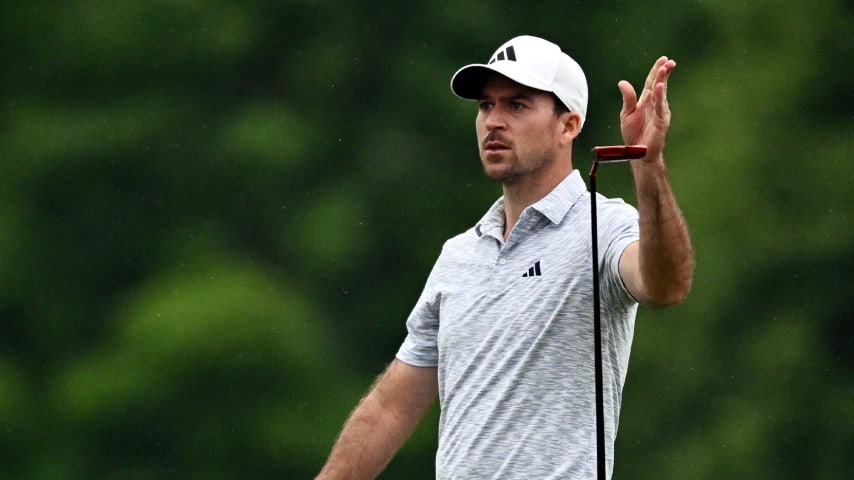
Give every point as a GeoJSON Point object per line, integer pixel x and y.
{"type": "Point", "coordinates": [513, 167]}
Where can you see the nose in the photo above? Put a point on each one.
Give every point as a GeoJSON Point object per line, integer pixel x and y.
{"type": "Point", "coordinates": [493, 119]}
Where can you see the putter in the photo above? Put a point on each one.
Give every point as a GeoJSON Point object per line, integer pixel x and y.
{"type": "Point", "coordinates": [612, 154]}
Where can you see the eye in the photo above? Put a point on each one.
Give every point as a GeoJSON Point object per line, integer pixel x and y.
{"type": "Point", "coordinates": [516, 106]}
{"type": "Point", "coordinates": [484, 106]}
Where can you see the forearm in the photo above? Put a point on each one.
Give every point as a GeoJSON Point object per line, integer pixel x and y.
{"type": "Point", "coordinates": [366, 444]}
{"type": "Point", "coordinates": [666, 260]}
{"type": "Point", "coordinates": [382, 421]}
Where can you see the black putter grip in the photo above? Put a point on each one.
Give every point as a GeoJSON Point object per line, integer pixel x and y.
{"type": "Point", "coordinates": [617, 153]}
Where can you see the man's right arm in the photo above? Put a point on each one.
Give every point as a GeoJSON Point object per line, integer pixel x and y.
{"type": "Point", "coordinates": [382, 421]}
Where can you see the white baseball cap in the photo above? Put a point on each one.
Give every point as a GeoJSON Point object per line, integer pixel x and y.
{"type": "Point", "coordinates": [533, 62]}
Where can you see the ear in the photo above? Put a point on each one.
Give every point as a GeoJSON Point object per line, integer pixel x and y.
{"type": "Point", "coordinates": [571, 125]}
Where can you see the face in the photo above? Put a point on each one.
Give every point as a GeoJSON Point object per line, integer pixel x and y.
{"type": "Point", "coordinates": [518, 133]}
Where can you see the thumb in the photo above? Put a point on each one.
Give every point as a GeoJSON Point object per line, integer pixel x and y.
{"type": "Point", "coordinates": [630, 98]}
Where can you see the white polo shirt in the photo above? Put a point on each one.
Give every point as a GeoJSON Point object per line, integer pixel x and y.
{"type": "Point", "coordinates": [510, 327]}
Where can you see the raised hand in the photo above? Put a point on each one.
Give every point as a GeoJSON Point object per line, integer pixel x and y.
{"type": "Point", "coordinates": [645, 120]}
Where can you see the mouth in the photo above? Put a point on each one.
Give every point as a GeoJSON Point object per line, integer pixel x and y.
{"type": "Point", "coordinates": [493, 146]}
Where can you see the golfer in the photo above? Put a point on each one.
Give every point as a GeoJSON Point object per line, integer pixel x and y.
{"type": "Point", "coordinates": [502, 332]}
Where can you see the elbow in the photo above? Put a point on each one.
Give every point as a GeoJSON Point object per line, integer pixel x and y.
{"type": "Point", "coordinates": [674, 293]}
{"type": "Point", "coordinates": [667, 300]}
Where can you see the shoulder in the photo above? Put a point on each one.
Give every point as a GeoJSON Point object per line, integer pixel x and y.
{"type": "Point", "coordinates": [461, 244]}
{"type": "Point", "coordinates": [614, 212]}
{"type": "Point", "coordinates": [614, 205]}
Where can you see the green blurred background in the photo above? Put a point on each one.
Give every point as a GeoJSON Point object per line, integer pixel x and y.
{"type": "Point", "coordinates": [216, 216]}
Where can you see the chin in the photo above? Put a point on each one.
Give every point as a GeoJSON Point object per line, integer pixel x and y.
{"type": "Point", "coordinates": [498, 173]}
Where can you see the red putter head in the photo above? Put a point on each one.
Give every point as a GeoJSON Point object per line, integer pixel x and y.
{"type": "Point", "coordinates": [618, 153]}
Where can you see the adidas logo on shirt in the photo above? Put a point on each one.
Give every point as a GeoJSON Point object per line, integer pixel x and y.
{"type": "Point", "coordinates": [534, 271]}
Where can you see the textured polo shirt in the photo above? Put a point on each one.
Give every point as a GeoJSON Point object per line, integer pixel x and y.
{"type": "Point", "coordinates": [510, 327]}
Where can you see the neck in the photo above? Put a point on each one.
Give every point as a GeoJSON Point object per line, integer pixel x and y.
{"type": "Point", "coordinates": [521, 193]}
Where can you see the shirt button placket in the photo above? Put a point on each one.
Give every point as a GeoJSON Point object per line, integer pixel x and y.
{"type": "Point", "coordinates": [497, 281]}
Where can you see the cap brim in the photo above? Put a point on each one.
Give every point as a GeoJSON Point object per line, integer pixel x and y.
{"type": "Point", "coordinates": [468, 82]}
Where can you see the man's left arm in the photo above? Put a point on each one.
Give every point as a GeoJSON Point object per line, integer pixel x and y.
{"type": "Point", "coordinates": [658, 269]}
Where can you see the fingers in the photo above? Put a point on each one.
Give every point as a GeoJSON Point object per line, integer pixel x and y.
{"type": "Point", "coordinates": [659, 92]}
{"type": "Point", "coordinates": [663, 71]}
{"type": "Point", "coordinates": [659, 73]}
{"type": "Point", "coordinates": [654, 73]}
{"type": "Point", "coordinates": [660, 100]}
{"type": "Point", "coordinates": [645, 116]}
{"type": "Point", "coordinates": [654, 94]}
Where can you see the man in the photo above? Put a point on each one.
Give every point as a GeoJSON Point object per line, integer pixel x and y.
{"type": "Point", "coordinates": [503, 329]}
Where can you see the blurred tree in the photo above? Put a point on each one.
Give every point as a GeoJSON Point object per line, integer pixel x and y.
{"type": "Point", "coordinates": [216, 216]}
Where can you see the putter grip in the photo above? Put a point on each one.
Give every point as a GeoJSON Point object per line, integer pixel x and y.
{"type": "Point", "coordinates": [617, 153]}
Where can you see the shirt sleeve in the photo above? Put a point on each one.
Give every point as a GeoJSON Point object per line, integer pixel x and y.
{"type": "Point", "coordinates": [618, 229]}
{"type": "Point", "coordinates": [420, 346]}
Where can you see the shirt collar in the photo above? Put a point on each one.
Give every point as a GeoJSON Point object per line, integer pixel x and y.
{"type": "Point", "coordinates": [553, 206]}
{"type": "Point", "coordinates": [559, 201]}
